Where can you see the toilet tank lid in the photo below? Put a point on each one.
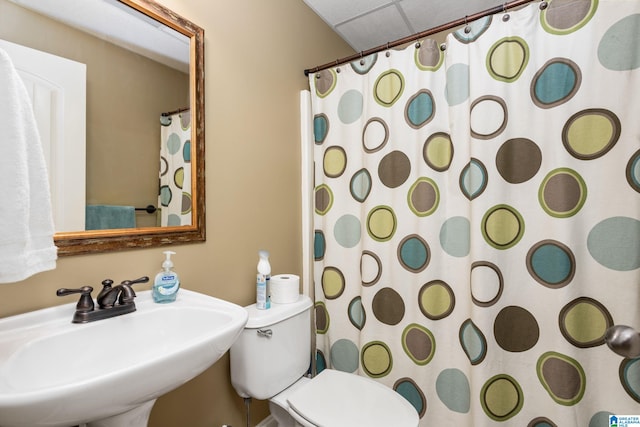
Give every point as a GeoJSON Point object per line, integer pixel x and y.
{"type": "Point", "coordinates": [277, 312]}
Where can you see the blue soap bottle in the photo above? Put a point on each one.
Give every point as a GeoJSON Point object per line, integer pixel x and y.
{"type": "Point", "coordinates": [166, 285]}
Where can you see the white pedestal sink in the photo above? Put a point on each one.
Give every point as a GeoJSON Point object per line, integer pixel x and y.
{"type": "Point", "coordinates": [108, 372]}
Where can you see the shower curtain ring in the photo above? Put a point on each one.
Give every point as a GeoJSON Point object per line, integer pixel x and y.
{"type": "Point", "coordinates": [467, 29]}
{"type": "Point", "coordinates": [506, 16]}
{"type": "Point", "coordinates": [362, 58]}
{"type": "Point", "coordinates": [388, 54]}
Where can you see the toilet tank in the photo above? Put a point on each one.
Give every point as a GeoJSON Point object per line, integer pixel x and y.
{"type": "Point", "coordinates": [274, 349]}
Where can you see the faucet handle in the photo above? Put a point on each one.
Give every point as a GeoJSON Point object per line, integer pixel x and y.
{"type": "Point", "coordinates": [85, 303]}
{"type": "Point", "coordinates": [143, 279]}
{"type": "Point", "coordinates": [128, 294]}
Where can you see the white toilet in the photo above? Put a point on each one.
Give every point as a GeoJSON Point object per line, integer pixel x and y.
{"type": "Point", "coordinates": [270, 358]}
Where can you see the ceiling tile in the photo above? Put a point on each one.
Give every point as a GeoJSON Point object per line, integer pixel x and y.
{"type": "Point", "coordinates": [424, 15]}
{"type": "Point", "coordinates": [335, 12]}
{"type": "Point", "coordinates": [365, 32]}
{"type": "Point", "coordinates": [366, 24]}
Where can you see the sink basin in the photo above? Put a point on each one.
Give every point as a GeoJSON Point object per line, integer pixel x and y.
{"type": "Point", "coordinates": [56, 373]}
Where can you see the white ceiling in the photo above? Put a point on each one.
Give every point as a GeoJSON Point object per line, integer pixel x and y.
{"type": "Point", "coordinates": [121, 25]}
{"type": "Point", "coordinates": [366, 24]}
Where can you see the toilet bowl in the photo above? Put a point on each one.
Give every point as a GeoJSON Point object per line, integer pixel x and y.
{"type": "Point", "coordinates": [336, 399]}
{"type": "Point", "coordinates": [279, 404]}
{"type": "Point", "coordinates": [270, 358]}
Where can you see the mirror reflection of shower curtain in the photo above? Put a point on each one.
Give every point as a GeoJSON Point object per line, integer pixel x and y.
{"type": "Point", "coordinates": [174, 198]}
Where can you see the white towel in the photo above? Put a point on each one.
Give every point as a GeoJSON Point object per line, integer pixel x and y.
{"type": "Point", "coordinates": [26, 221]}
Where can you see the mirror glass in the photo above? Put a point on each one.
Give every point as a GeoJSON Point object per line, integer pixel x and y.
{"type": "Point", "coordinates": [117, 88]}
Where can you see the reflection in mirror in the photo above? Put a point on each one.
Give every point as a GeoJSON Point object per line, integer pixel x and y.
{"type": "Point", "coordinates": [126, 93]}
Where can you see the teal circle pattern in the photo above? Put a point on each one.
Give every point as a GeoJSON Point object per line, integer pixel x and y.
{"type": "Point", "coordinates": [473, 179]}
{"type": "Point", "coordinates": [350, 106]}
{"type": "Point", "coordinates": [630, 377]}
{"type": "Point", "coordinates": [173, 143]}
{"type": "Point", "coordinates": [320, 128]}
{"type": "Point", "coordinates": [321, 362]}
{"type": "Point", "coordinates": [455, 235]}
{"type": "Point", "coordinates": [345, 356]}
{"type": "Point", "coordinates": [165, 195]}
{"type": "Point", "coordinates": [600, 419]}
{"type": "Point", "coordinates": [347, 231]}
{"type": "Point", "coordinates": [361, 185]}
{"type": "Point", "coordinates": [408, 389]}
{"type": "Point", "coordinates": [619, 49]}
{"type": "Point", "coordinates": [475, 30]}
{"type": "Point", "coordinates": [556, 83]}
{"type": "Point", "coordinates": [414, 253]}
{"type": "Point", "coordinates": [457, 88]}
{"type": "Point", "coordinates": [357, 315]}
{"type": "Point", "coordinates": [364, 64]}
{"type": "Point", "coordinates": [633, 171]}
{"type": "Point", "coordinates": [542, 422]}
{"type": "Point", "coordinates": [174, 220]}
{"type": "Point", "coordinates": [473, 342]}
{"type": "Point", "coordinates": [551, 263]}
{"type": "Point", "coordinates": [319, 245]}
{"type": "Point", "coordinates": [420, 109]}
{"type": "Point", "coordinates": [186, 151]}
{"type": "Point", "coordinates": [452, 387]}
{"type": "Point", "coordinates": [615, 243]}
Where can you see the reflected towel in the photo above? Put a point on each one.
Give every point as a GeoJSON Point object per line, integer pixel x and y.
{"type": "Point", "coordinates": [26, 221]}
{"type": "Point", "coordinates": [104, 217]}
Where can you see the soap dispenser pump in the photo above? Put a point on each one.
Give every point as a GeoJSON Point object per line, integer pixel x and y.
{"type": "Point", "coordinates": [167, 283]}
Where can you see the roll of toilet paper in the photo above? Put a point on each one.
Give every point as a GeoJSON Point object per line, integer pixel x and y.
{"type": "Point", "coordinates": [285, 288]}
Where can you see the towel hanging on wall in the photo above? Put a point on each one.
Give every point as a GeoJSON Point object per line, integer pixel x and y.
{"type": "Point", "coordinates": [26, 221]}
{"type": "Point", "coordinates": [104, 217]}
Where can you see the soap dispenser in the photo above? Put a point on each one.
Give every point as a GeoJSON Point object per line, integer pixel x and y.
{"type": "Point", "coordinates": [167, 283]}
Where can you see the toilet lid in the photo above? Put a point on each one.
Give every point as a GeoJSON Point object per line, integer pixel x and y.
{"type": "Point", "coordinates": [334, 399]}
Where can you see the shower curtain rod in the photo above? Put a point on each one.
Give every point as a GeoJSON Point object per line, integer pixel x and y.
{"type": "Point", "coordinates": [179, 110]}
{"type": "Point", "coordinates": [462, 21]}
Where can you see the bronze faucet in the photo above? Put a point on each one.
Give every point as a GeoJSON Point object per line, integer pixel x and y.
{"type": "Point", "coordinates": [122, 293]}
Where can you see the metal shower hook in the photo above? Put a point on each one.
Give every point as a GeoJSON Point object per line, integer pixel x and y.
{"type": "Point", "coordinates": [467, 28]}
{"type": "Point", "coordinates": [506, 16]}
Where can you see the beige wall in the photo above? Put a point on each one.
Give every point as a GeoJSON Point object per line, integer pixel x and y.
{"type": "Point", "coordinates": [256, 51]}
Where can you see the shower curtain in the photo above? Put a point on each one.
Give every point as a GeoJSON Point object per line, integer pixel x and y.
{"type": "Point", "coordinates": [477, 217]}
{"type": "Point", "coordinates": [174, 196]}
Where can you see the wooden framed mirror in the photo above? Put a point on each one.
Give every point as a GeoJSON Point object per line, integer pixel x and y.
{"type": "Point", "coordinates": [131, 44]}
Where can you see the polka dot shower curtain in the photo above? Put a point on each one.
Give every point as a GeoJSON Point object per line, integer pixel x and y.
{"type": "Point", "coordinates": [477, 217]}
{"type": "Point", "coordinates": [175, 169]}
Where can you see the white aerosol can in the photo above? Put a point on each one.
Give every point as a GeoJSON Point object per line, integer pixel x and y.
{"type": "Point", "coordinates": [263, 300]}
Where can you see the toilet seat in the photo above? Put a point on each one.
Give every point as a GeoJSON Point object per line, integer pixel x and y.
{"type": "Point", "coordinates": [335, 399]}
